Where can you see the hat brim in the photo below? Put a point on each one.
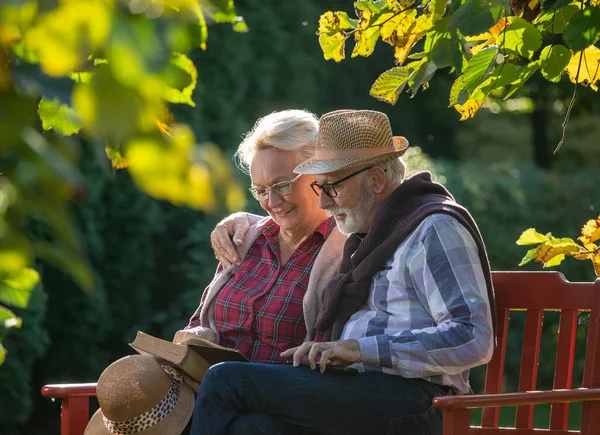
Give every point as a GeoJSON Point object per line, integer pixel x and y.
{"type": "Point", "coordinates": [315, 166]}
{"type": "Point", "coordinates": [174, 423]}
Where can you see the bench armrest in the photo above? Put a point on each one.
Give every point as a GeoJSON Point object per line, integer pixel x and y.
{"type": "Point", "coordinates": [470, 401]}
{"type": "Point", "coordinates": [61, 391]}
{"type": "Point", "coordinates": [75, 407]}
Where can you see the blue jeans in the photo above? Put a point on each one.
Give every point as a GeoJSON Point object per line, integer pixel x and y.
{"type": "Point", "coordinates": [244, 398]}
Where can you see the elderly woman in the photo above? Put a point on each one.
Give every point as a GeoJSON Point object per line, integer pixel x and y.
{"type": "Point", "coordinates": [256, 305]}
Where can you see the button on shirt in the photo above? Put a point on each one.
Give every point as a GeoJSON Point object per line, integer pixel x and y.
{"type": "Point", "coordinates": [259, 310]}
{"type": "Point", "coordinates": [427, 315]}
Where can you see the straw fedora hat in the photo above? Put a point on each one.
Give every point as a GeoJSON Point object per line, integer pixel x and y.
{"type": "Point", "coordinates": [139, 396]}
{"type": "Point", "coordinates": [351, 139]}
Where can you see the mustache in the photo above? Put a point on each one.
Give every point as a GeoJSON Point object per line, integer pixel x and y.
{"type": "Point", "coordinates": [336, 210]}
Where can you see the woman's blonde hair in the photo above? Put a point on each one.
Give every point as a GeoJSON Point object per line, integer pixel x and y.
{"type": "Point", "coordinates": [288, 130]}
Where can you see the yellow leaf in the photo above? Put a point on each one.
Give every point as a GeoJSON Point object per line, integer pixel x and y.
{"type": "Point", "coordinates": [595, 3]}
{"type": "Point", "coordinates": [531, 237]}
{"type": "Point", "coordinates": [596, 262]}
{"type": "Point", "coordinates": [404, 31]}
{"type": "Point", "coordinates": [590, 231]}
{"type": "Point", "coordinates": [555, 247]}
{"type": "Point", "coordinates": [469, 109]}
{"type": "Point", "coordinates": [116, 158]}
{"type": "Point", "coordinates": [332, 34]}
{"type": "Point", "coordinates": [589, 73]}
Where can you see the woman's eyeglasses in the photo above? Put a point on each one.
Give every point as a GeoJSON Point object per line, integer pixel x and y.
{"type": "Point", "coordinates": [280, 189]}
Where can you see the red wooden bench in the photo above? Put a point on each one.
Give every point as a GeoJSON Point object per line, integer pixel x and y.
{"type": "Point", "coordinates": [534, 292]}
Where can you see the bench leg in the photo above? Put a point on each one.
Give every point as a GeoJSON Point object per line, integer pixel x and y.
{"type": "Point", "coordinates": [457, 422]}
{"type": "Point", "coordinates": [75, 415]}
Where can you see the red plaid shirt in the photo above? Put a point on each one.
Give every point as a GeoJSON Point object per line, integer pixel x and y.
{"type": "Point", "coordinates": [259, 310]}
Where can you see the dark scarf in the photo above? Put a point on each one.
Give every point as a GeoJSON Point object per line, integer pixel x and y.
{"type": "Point", "coordinates": [395, 219]}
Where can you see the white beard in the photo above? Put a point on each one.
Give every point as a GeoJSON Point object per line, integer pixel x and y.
{"type": "Point", "coordinates": [357, 216]}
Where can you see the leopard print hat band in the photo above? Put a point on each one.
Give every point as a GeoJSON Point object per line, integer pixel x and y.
{"type": "Point", "coordinates": [154, 415]}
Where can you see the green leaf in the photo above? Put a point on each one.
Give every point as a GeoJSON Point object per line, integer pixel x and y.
{"type": "Point", "coordinates": [525, 74]}
{"type": "Point", "coordinates": [422, 76]}
{"type": "Point", "coordinates": [552, 5]}
{"type": "Point", "coordinates": [531, 237]}
{"type": "Point", "coordinates": [2, 354]}
{"type": "Point", "coordinates": [59, 117]}
{"type": "Point", "coordinates": [458, 93]}
{"type": "Point", "coordinates": [14, 254]}
{"type": "Point", "coordinates": [479, 68]}
{"type": "Point", "coordinates": [584, 29]}
{"type": "Point", "coordinates": [554, 60]}
{"type": "Point", "coordinates": [472, 18]}
{"type": "Point", "coordinates": [117, 159]}
{"type": "Point", "coordinates": [182, 70]}
{"type": "Point", "coordinates": [445, 52]}
{"type": "Point", "coordinates": [8, 319]}
{"type": "Point", "coordinates": [391, 83]}
{"type": "Point", "coordinates": [556, 21]}
{"type": "Point", "coordinates": [520, 37]}
{"type": "Point", "coordinates": [530, 256]}
{"type": "Point", "coordinates": [437, 9]}
{"type": "Point", "coordinates": [16, 290]}
{"type": "Point", "coordinates": [502, 75]}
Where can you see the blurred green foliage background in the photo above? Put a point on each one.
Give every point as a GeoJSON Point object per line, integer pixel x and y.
{"type": "Point", "coordinates": [151, 260]}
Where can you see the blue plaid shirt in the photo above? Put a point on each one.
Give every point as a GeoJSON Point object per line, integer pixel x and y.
{"type": "Point", "coordinates": [428, 313]}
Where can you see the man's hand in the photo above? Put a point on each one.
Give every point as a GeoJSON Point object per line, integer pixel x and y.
{"type": "Point", "coordinates": [183, 335]}
{"type": "Point", "coordinates": [235, 225]}
{"type": "Point", "coordinates": [337, 353]}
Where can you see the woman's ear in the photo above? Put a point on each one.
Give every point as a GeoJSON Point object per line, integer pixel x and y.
{"type": "Point", "coordinates": [377, 174]}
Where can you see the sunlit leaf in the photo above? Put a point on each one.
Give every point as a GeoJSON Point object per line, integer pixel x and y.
{"type": "Point", "coordinates": [404, 31]}
{"type": "Point", "coordinates": [552, 248]}
{"type": "Point", "coordinates": [458, 94]}
{"type": "Point", "coordinates": [15, 254]}
{"type": "Point", "coordinates": [390, 84]}
{"type": "Point", "coordinates": [531, 237]}
{"type": "Point", "coordinates": [422, 75]}
{"type": "Point", "coordinates": [116, 158]}
{"type": "Point", "coordinates": [332, 36]}
{"type": "Point", "coordinates": [589, 73]}
{"type": "Point", "coordinates": [530, 256]}
{"type": "Point", "coordinates": [16, 289]}
{"type": "Point", "coordinates": [8, 319]}
{"type": "Point", "coordinates": [524, 74]}
{"type": "Point", "coordinates": [596, 262]}
{"type": "Point", "coordinates": [584, 29]}
{"type": "Point", "coordinates": [472, 18]}
{"type": "Point", "coordinates": [590, 231]}
{"type": "Point", "coordinates": [555, 59]}
{"type": "Point", "coordinates": [555, 261]}
{"type": "Point", "coordinates": [178, 94]}
{"type": "Point", "coordinates": [365, 41]}
{"type": "Point", "coordinates": [520, 37]}
{"type": "Point", "coordinates": [556, 21]}
{"type": "Point", "coordinates": [469, 109]}
{"type": "Point", "coordinates": [479, 68]}
{"type": "Point", "coordinates": [58, 117]}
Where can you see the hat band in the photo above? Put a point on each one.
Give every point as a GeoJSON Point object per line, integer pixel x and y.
{"type": "Point", "coordinates": [152, 417]}
{"type": "Point", "coordinates": [352, 153]}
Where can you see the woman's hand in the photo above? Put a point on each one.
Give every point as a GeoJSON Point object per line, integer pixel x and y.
{"type": "Point", "coordinates": [182, 336]}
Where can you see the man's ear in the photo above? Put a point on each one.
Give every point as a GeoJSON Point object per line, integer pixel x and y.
{"type": "Point", "coordinates": [378, 178]}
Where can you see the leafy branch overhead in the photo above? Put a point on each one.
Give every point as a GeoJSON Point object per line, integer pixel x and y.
{"type": "Point", "coordinates": [108, 72]}
{"type": "Point", "coordinates": [494, 48]}
{"type": "Point", "coordinates": [551, 251]}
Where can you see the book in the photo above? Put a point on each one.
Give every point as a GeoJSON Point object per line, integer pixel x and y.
{"type": "Point", "coordinates": [193, 358]}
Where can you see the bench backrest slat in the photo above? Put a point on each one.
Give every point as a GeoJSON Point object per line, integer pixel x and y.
{"type": "Point", "coordinates": [534, 293]}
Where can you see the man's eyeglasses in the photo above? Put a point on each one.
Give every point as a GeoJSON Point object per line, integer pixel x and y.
{"type": "Point", "coordinates": [329, 188]}
{"type": "Point", "coordinates": [280, 189]}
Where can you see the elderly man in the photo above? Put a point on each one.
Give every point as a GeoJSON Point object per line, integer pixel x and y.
{"type": "Point", "coordinates": [411, 308]}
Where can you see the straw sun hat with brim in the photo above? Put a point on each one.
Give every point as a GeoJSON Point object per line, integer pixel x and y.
{"type": "Point", "coordinates": [138, 395]}
{"type": "Point", "coordinates": [352, 139]}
